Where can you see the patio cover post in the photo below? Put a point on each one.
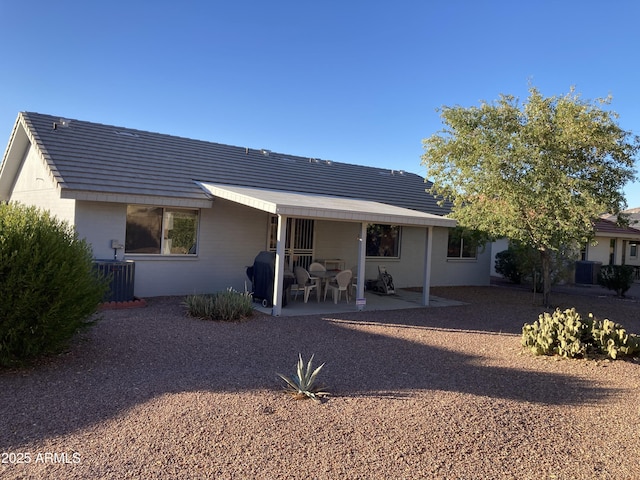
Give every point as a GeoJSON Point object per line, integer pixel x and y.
{"type": "Point", "coordinates": [362, 254]}
{"type": "Point", "coordinates": [426, 280]}
{"type": "Point", "coordinates": [279, 273]}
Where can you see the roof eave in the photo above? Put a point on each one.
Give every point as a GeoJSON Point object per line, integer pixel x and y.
{"type": "Point", "coordinates": [157, 200]}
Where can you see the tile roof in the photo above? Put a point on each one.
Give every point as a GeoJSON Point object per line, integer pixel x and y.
{"type": "Point", "coordinates": [92, 157]}
{"type": "Point", "coordinates": [603, 225]}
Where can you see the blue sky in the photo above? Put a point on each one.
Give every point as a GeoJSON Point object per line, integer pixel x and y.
{"type": "Point", "coordinates": [349, 81]}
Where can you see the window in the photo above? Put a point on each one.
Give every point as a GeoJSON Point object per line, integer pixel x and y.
{"type": "Point", "coordinates": [383, 241]}
{"type": "Point", "coordinates": [161, 231]}
{"type": "Point", "coordinates": [633, 250]}
{"type": "Point", "coordinates": [461, 244]}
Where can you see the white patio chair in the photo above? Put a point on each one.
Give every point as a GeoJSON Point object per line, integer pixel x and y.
{"type": "Point", "coordinates": [341, 284]}
{"type": "Point", "coordinates": [317, 267]}
{"type": "Point", "coordinates": [305, 284]}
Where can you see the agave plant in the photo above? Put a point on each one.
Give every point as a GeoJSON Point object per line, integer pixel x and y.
{"type": "Point", "coordinates": [302, 385]}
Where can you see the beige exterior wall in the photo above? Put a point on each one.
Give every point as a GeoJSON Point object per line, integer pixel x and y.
{"type": "Point", "coordinates": [451, 272]}
{"type": "Point", "coordinates": [99, 223]}
{"type": "Point", "coordinates": [35, 186]}
{"type": "Point", "coordinates": [337, 240]}
{"type": "Point", "coordinates": [600, 251]}
{"type": "Point", "coordinates": [230, 236]}
{"type": "Point", "coordinates": [340, 240]}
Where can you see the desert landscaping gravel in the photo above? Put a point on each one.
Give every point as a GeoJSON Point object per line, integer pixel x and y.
{"type": "Point", "coordinates": [442, 393]}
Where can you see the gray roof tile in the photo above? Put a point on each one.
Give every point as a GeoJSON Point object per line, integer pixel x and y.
{"type": "Point", "coordinates": [94, 157]}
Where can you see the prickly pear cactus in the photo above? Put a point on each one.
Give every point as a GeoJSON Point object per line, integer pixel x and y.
{"type": "Point", "coordinates": [560, 333]}
{"type": "Point", "coordinates": [612, 340]}
{"type": "Point", "coordinates": [565, 334]}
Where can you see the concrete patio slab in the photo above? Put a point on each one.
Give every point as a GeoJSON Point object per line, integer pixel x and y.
{"type": "Point", "coordinates": [402, 299]}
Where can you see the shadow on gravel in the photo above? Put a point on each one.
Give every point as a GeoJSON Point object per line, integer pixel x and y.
{"type": "Point", "coordinates": [130, 357]}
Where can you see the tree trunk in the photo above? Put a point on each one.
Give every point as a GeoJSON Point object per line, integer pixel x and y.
{"type": "Point", "coordinates": [545, 256]}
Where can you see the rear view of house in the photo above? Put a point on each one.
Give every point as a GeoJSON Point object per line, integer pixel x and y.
{"type": "Point", "coordinates": [193, 215]}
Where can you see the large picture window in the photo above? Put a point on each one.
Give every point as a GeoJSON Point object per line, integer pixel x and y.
{"type": "Point", "coordinates": [161, 231]}
{"type": "Point", "coordinates": [461, 244]}
{"type": "Point", "coordinates": [383, 240]}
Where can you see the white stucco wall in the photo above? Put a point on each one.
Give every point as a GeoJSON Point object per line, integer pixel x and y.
{"type": "Point", "coordinates": [450, 272]}
{"type": "Point", "coordinates": [633, 260]}
{"type": "Point", "coordinates": [498, 246]}
{"type": "Point", "coordinates": [340, 240]}
{"type": "Point", "coordinates": [337, 240]}
{"type": "Point", "coordinates": [599, 252]}
{"type": "Point", "coordinates": [230, 236]}
{"type": "Point", "coordinates": [99, 223]}
{"type": "Point", "coordinates": [35, 186]}
{"type": "Point", "coordinates": [408, 269]}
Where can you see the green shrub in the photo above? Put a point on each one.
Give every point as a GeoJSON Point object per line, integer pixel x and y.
{"type": "Point", "coordinates": [507, 265]}
{"type": "Point", "coordinates": [48, 287]}
{"type": "Point", "coordinates": [227, 306]}
{"type": "Point", "coordinates": [616, 277]}
{"type": "Point", "coordinates": [522, 264]}
{"type": "Point", "coordinates": [564, 333]}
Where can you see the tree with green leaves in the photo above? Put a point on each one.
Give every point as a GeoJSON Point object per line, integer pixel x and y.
{"type": "Point", "coordinates": [538, 173]}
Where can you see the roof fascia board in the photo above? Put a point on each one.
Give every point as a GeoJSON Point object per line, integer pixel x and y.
{"type": "Point", "coordinates": [159, 201]}
{"type": "Point", "coordinates": [12, 160]}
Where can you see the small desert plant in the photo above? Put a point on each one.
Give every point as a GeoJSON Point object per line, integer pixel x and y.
{"type": "Point", "coordinates": [611, 339]}
{"type": "Point", "coordinates": [564, 333]}
{"type": "Point", "coordinates": [618, 278]}
{"type": "Point", "coordinates": [48, 284]}
{"type": "Point", "coordinates": [227, 306]}
{"type": "Point", "coordinates": [560, 333]}
{"type": "Point", "coordinates": [302, 385]}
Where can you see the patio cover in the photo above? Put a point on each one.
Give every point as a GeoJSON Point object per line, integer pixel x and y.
{"type": "Point", "coordinates": [306, 205]}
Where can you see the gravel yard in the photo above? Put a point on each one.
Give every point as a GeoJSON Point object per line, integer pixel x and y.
{"type": "Point", "coordinates": [419, 393]}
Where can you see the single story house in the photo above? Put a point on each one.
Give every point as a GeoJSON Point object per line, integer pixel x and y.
{"type": "Point", "coordinates": [194, 214]}
{"type": "Point", "coordinates": [612, 245]}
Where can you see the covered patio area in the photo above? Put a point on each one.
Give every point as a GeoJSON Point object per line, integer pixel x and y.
{"type": "Point", "coordinates": [288, 204]}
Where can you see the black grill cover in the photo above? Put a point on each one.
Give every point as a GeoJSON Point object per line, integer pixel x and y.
{"type": "Point", "coordinates": [262, 274]}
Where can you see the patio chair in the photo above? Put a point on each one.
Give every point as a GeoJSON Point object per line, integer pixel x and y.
{"type": "Point", "coordinates": [341, 284]}
{"type": "Point", "coordinates": [305, 284]}
{"type": "Point", "coordinates": [317, 267]}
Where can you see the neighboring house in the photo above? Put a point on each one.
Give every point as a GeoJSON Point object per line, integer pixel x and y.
{"type": "Point", "coordinates": [612, 244]}
{"type": "Point", "coordinates": [193, 214]}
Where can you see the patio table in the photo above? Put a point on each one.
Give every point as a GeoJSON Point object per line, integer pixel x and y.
{"type": "Point", "coordinates": [322, 278]}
